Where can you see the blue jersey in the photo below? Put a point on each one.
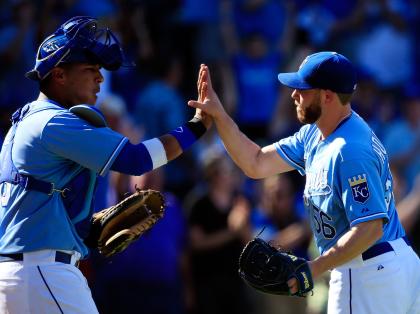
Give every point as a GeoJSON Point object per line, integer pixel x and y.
{"type": "Point", "coordinates": [53, 145]}
{"type": "Point", "coordinates": [348, 180]}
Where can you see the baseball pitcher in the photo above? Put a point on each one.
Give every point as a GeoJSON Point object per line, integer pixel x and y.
{"type": "Point", "coordinates": [348, 196]}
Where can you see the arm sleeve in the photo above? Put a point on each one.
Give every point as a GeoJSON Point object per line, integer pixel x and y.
{"type": "Point", "coordinates": [362, 191]}
{"type": "Point", "coordinates": [133, 159]}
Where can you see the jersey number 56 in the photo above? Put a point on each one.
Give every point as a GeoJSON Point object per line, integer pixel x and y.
{"type": "Point", "coordinates": [321, 223]}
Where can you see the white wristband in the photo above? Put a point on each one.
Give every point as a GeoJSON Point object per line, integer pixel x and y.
{"type": "Point", "coordinates": [156, 151]}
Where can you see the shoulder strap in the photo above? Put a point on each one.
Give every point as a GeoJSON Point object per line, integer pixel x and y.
{"type": "Point", "coordinates": [8, 170]}
{"type": "Point", "coordinates": [9, 173]}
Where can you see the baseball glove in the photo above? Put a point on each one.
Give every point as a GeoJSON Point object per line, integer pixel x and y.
{"type": "Point", "coordinates": [268, 269]}
{"type": "Point", "coordinates": [115, 228]}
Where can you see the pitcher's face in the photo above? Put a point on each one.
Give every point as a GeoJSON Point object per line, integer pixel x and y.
{"type": "Point", "coordinates": [308, 105]}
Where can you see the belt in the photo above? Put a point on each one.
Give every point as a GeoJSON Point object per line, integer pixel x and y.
{"type": "Point", "coordinates": [379, 249]}
{"type": "Point", "coordinates": [61, 257]}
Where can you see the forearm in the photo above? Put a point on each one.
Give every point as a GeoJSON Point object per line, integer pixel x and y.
{"type": "Point", "coordinates": [353, 243]}
{"type": "Point", "coordinates": [172, 147]}
{"type": "Point", "coordinates": [255, 162]}
{"type": "Point", "coordinates": [156, 152]}
{"type": "Point", "coordinates": [180, 139]}
{"type": "Point", "coordinates": [241, 149]}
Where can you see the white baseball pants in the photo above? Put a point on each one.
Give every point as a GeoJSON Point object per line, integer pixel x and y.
{"type": "Point", "coordinates": [39, 284]}
{"type": "Point", "coordinates": [388, 283]}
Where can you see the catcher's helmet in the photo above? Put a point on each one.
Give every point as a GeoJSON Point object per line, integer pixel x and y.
{"type": "Point", "coordinates": [77, 40]}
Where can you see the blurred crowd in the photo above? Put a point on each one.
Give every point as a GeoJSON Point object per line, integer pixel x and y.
{"type": "Point", "coordinates": [188, 262]}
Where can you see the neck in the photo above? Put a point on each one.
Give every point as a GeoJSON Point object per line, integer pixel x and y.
{"type": "Point", "coordinates": [58, 100]}
{"type": "Point", "coordinates": [330, 119]}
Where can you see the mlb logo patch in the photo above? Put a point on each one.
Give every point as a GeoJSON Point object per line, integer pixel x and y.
{"type": "Point", "coordinates": [359, 188]}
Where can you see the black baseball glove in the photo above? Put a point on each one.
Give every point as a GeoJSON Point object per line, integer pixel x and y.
{"type": "Point", "coordinates": [115, 228]}
{"type": "Point", "coordinates": [268, 269]}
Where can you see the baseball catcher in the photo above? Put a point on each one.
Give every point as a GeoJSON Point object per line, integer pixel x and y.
{"type": "Point", "coordinates": [113, 229]}
{"type": "Point", "coordinates": [268, 269]}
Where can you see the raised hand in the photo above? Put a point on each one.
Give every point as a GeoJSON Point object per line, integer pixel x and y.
{"type": "Point", "coordinates": [208, 102]}
{"type": "Point", "coordinates": [201, 87]}
{"type": "Point", "coordinates": [202, 93]}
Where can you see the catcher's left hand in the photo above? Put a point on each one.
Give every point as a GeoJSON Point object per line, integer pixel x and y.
{"type": "Point", "coordinates": [268, 270]}
{"type": "Point", "coordinates": [115, 228]}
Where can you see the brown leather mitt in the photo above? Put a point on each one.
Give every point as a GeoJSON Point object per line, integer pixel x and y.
{"type": "Point", "coordinates": [115, 228]}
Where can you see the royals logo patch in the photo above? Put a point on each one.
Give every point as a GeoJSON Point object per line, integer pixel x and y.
{"type": "Point", "coordinates": [359, 188]}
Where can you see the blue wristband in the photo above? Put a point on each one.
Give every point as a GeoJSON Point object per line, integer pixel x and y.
{"type": "Point", "coordinates": [187, 134]}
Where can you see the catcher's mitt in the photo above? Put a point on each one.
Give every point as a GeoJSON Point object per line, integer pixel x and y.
{"type": "Point", "coordinates": [267, 269]}
{"type": "Point", "coordinates": [114, 228]}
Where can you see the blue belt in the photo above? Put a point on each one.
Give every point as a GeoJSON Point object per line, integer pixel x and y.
{"type": "Point", "coordinates": [379, 249]}
{"type": "Point", "coordinates": [59, 257]}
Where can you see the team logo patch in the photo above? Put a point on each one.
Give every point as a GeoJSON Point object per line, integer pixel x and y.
{"type": "Point", "coordinates": [359, 188]}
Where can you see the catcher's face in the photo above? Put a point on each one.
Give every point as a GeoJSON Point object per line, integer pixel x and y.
{"type": "Point", "coordinates": [81, 83]}
{"type": "Point", "coordinates": [308, 105]}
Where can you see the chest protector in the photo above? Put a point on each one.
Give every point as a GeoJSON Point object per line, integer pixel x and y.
{"type": "Point", "coordinates": [74, 193]}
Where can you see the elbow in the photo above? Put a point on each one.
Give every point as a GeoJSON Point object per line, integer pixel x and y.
{"type": "Point", "coordinates": [254, 169]}
{"type": "Point", "coordinates": [251, 173]}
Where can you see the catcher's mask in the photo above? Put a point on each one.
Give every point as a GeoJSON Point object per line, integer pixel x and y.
{"type": "Point", "coordinates": [78, 40]}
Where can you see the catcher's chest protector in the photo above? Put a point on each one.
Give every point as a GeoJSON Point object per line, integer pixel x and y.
{"type": "Point", "coordinates": [8, 170]}
{"type": "Point", "coordinates": [73, 194]}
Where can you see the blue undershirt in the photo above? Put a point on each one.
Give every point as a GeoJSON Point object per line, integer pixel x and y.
{"type": "Point", "coordinates": [133, 160]}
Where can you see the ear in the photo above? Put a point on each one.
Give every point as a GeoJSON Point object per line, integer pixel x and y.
{"type": "Point", "coordinates": [329, 96]}
{"type": "Point", "coordinates": [58, 75]}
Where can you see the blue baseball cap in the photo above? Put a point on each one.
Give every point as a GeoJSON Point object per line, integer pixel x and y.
{"type": "Point", "coordinates": [323, 70]}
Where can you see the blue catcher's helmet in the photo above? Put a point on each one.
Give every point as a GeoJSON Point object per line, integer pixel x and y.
{"type": "Point", "coordinates": [77, 40]}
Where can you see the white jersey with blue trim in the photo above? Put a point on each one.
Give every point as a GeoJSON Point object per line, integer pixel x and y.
{"type": "Point", "coordinates": [53, 145]}
{"type": "Point", "coordinates": [348, 180]}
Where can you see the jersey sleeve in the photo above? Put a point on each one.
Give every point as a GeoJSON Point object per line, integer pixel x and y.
{"type": "Point", "coordinates": [72, 138]}
{"type": "Point", "coordinates": [362, 191]}
{"type": "Point", "coordinates": [292, 149]}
